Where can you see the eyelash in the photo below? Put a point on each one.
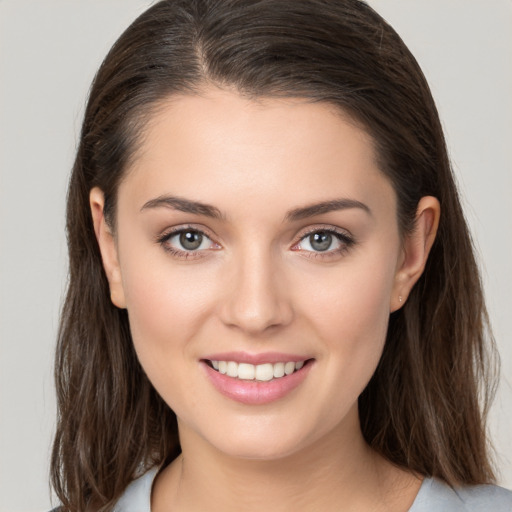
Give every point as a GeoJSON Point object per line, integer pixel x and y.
{"type": "Point", "coordinates": [346, 240]}
{"type": "Point", "coordinates": [165, 237]}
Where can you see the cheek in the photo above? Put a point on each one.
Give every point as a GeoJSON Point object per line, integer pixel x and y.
{"type": "Point", "coordinates": [167, 306]}
{"type": "Point", "coordinates": [351, 319]}
{"type": "Point", "coordinates": [165, 312]}
{"type": "Point", "coordinates": [353, 303]}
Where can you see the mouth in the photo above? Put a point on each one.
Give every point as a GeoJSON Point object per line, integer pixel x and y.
{"type": "Point", "coordinates": [256, 379]}
{"type": "Point", "coordinates": [265, 372]}
{"type": "Point", "coordinates": [256, 384]}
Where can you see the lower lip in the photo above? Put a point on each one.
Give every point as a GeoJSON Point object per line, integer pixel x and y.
{"type": "Point", "coordinates": [253, 392]}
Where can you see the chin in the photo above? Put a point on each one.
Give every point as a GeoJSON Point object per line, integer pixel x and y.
{"type": "Point", "coordinates": [262, 440]}
{"type": "Point", "coordinates": [258, 450]}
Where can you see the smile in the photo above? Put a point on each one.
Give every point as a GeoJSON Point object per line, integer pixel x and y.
{"type": "Point", "coordinates": [257, 383]}
{"type": "Point", "coordinates": [260, 372]}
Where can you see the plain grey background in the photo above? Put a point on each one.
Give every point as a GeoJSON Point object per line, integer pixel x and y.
{"type": "Point", "coordinates": [49, 52]}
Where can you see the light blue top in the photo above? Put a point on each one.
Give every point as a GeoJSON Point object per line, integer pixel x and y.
{"type": "Point", "coordinates": [433, 496]}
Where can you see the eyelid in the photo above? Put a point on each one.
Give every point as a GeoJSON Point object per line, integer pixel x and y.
{"type": "Point", "coordinates": [169, 233]}
{"type": "Point", "coordinates": [344, 233]}
{"type": "Point", "coordinates": [344, 236]}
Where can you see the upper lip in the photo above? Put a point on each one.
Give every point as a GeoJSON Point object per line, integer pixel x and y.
{"type": "Point", "coordinates": [255, 359]}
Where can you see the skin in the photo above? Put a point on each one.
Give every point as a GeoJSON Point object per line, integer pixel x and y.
{"type": "Point", "coordinates": [257, 284]}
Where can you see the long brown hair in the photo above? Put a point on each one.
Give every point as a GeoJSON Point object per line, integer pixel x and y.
{"type": "Point", "coordinates": [424, 408]}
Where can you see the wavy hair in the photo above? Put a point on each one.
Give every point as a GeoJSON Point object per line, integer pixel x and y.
{"type": "Point", "coordinates": [425, 407]}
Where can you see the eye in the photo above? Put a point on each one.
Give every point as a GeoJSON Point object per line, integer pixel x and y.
{"type": "Point", "coordinates": [190, 240]}
{"type": "Point", "coordinates": [186, 242]}
{"type": "Point", "coordinates": [320, 241]}
{"type": "Point", "coordinates": [327, 241]}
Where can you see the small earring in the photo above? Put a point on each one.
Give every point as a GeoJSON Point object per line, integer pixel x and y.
{"type": "Point", "coordinates": [399, 298]}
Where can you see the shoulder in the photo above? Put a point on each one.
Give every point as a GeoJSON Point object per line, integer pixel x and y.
{"type": "Point", "coordinates": [437, 495]}
{"type": "Point", "coordinates": [137, 496]}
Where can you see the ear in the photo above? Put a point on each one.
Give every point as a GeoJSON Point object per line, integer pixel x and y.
{"type": "Point", "coordinates": [415, 251]}
{"type": "Point", "coordinates": [108, 247]}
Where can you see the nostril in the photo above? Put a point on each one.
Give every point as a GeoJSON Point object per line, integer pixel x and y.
{"type": "Point", "coordinates": [255, 301]}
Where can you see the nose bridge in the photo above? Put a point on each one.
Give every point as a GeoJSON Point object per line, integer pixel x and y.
{"type": "Point", "coordinates": [257, 298]}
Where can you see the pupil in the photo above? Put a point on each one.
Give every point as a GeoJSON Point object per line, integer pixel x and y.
{"type": "Point", "coordinates": [320, 241]}
{"type": "Point", "coordinates": [191, 240]}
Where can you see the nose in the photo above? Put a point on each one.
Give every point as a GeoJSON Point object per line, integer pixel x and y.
{"type": "Point", "coordinates": [257, 298]}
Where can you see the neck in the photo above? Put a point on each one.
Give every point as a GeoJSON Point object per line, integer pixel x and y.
{"type": "Point", "coordinates": [339, 468]}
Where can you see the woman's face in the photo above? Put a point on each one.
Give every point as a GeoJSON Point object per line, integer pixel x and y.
{"type": "Point", "coordinates": [260, 235]}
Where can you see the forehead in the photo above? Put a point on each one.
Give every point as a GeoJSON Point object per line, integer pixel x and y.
{"type": "Point", "coordinates": [219, 145]}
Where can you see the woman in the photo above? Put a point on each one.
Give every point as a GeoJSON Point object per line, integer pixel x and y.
{"type": "Point", "coordinates": [268, 259]}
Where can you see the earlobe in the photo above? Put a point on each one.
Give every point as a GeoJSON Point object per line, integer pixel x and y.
{"type": "Point", "coordinates": [107, 247]}
{"type": "Point", "coordinates": [416, 249]}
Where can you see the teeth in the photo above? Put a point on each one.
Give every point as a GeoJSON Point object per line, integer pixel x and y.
{"type": "Point", "coordinates": [246, 371]}
{"type": "Point", "coordinates": [289, 368]}
{"type": "Point", "coordinates": [232, 370]}
{"type": "Point", "coordinates": [261, 372]}
{"type": "Point", "coordinates": [264, 372]}
{"type": "Point", "coordinates": [278, 370]}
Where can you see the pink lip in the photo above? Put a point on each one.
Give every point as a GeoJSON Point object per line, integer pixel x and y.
{"type": "Point", "coordinates": [252, 392]}
{"type": "Point", "coordinates": [262, 358]}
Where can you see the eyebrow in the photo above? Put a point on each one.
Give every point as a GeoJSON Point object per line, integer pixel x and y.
{"type": "Point", "coordinates": [325, 207]}
{"type": "Point", "coordinates": [184, 205]}
{"type": "Point", "coordinates": [199, 208]}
